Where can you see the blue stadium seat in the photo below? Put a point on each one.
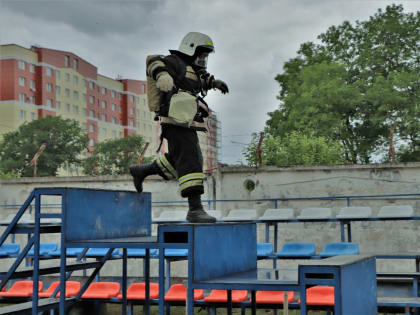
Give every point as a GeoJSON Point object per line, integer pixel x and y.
{"type": "Point", "coordinates": [45, 249]}
{"type": "Point", "coordinates": [343, 248]}
{"type": "Point", "coordinates": [176, 252]}
{"type": "Point", "coordinates": [99, 252]}
{"type": "Point", "coordinates": [70, 252]}
{"type": "Point", "coordinates": [141, 252]}
{"type": "Point", "coordinates": [9, 249]}
{"type": "Point", "coordinates": [297, 250]}
{"type": "Point", "coordinates": [264, 250]}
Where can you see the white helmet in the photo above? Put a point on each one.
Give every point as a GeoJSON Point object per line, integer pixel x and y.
{"type": "Point", "coordinates": [193, 40]}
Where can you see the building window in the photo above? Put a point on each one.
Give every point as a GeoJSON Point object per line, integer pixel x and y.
{"type": "Point", "coordinates": [75, 95]}
{"type": "Point", "coordinates": [58, 104]}
{"type": "Point", "coordinates": [22, 81]}
{"type": "Point", "coordinates": [22, 97]}
{"type": "Point", "coordinates": [67, 77]}
{"type": "Point", "coordinates": [104, 132]}
{"type": "Point", "coordinates": [131, 123]}
{"type": "Point", "coordinates": [32, 68]}
{"type": "Point", "coordinates": [91, 142]}
{"type": "Point", "coordinates": [32, 116]}
{"type": "Point", "coordinates": [121, 134]}
{"type": "Point", "coordinates": [84, 126]}
{"type": "Point", "coordinates": [143, 88]}
{"type": "Point", "coordinates": [137, 100]}
{"type": "Point", "coordinates": [75, 109]}
{"type": "Point", "coordinates": [91, 85]}
{"type": "Point", "coordinates": [32, 99]}
{"type": "Point", "coordinates": [92, 113]}
{"type": "Point", "coordinates": [103, 104]}
{"type": "Point", "coordinates": [121, 122]}
{"type": "Point", "coordinates": [103, 117]}
{"type": "Point", "coordinates": [120, 96]}
{"type": "Point", "coordinates": [49, 87]}
{"type": "Point", "coordinates": [113, 94]}
{"type": "Point", "coordinates": [84, 111]}
{"type": "Point", "coordinates": [21, 65]}
{"type": "Point", "coordinates": [49, 102]}
{"type": "Point", "coordinates": [68, 108]}
{"type": "Point", "coordinates": [66, 61]}
{"type": "Point", "coordinates": [114, 107]}
{"type": "Point", "coordinates": [22, 114]}
{"type": "Point", "coordinates": [114, 120]}
{"type": "Point", "coordinates": [48, 71]}
{"type": "Point", "coordinates": [75, 80]}
{"type": "Point", "coordinates": [91, 99]}
{"type": "Point", "coordinates": [57, 90]}
{"type": "Point", "coordinates": [133, 100]}
{"type": "Point", "coordinates": [132, 111]}
{"type": "Point", "coordinates": [103, 90]}
{"type": "Point", "coordinates": [114, 134]}
{"type": "Point", "coordinates": [57, 74]}
{"type": "Point", "coordinates": [91, 128]}
{"type": "Point", "coordinates": [68, 92]}
{"type": "Point", "coordinates": [32, 85]}
{"type": "Point", "coordinates": [75, 63]}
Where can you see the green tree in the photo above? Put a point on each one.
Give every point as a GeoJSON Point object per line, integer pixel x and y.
{"type": "Point", "coordinates": [63, 138]}
{"type": "Point", "coordinates": [357, 86]}
{"type": "Point", "coordinates": [295, 149]}
{"type": "Point", "coordinates": [8, 175]}
{"type": "Point", "coordinates": [115, 156]}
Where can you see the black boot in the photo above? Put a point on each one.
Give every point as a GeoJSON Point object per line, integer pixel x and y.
{"type": "Point", "coordinates": [140, 172]}
{"type": "Point", "coordinates": [196, 213]}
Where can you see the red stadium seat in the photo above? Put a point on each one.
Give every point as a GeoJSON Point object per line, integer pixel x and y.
{"type": "Point", "coordinates": [178, 292]}
{"type": "Point", "coordinates": [273, 297]}
{"type": "Point", "coordinates": [21, 289]}
{"type": "Point", "coordinates": [72, 289]}
{"type": "Point", "coordinates": [320, 295]}
{"type": "Point", "coordinates": [137, 291]}
{"type": "Point", "coordinates": [102, 290]}
{"type": "Point", "coordinates": [221, 296]}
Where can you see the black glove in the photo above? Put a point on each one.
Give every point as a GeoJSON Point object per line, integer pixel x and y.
{"type": "Point", "coordinates": [222, 86]}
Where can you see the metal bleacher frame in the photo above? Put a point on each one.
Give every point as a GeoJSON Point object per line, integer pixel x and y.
{"type": "Point", "coordinates": [105, 233]}
{"type": "Point", "coordinates": [87, 220]}
{"type": "Point", "coordinates": [235, 268]}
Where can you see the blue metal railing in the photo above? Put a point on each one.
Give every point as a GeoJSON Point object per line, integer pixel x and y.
{"type": "Point", "coordinates": [347, 198]}
{"type": "Point", "coordinates": [212, 202]}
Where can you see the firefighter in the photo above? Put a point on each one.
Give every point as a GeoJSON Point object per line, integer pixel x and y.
{"type": "Point", "coordinates": [183, 81]}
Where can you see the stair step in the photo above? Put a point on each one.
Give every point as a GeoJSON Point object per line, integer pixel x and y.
{"type": "Point", "coordinates": [30, 227]}
{"type": "Point", "coordinates": [26, 308]}
{"type": "Point", "coordinates": [46, 270]}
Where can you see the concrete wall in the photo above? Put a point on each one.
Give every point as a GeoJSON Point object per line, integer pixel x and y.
{"type": "Point", "coordinates": [233, 183]}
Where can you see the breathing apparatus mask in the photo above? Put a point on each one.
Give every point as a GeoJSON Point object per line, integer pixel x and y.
{"type": "Point", "coordinates": [201, 60]}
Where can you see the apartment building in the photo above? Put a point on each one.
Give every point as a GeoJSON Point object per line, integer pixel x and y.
{"type": "Point", "coordinates": [38, 81]}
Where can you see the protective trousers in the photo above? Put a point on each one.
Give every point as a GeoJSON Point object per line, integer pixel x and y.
{"type": "Point", "coordinates": [184, 159]}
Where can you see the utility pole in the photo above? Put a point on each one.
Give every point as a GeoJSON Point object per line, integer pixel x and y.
{"type": "Point", "coordinates": [34, 161]}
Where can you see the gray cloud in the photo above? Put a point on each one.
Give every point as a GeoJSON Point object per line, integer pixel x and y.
{"type": "Point", "coordinates": [253, 40]}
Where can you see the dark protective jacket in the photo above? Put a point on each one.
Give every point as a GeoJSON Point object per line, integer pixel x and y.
{"type": "Point", "coordinates": [195, 81]}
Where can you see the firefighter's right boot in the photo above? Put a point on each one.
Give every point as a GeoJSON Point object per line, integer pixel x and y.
{"type": "Point", "coordinates": [140, 172]}
{"type": "Point", "coordinates": [196, 213]}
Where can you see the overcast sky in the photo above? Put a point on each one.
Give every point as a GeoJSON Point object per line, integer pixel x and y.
{"type": "Point", "coordinates": [253, 39]}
